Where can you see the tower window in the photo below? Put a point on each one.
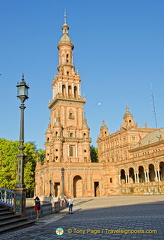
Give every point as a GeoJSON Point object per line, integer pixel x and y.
{"type": "Point", "coordinates": [71, 115]}
{"type": "Point", "coordinates": [110, 180]}
{"type": "Point", "coordinates": [71, 135]}
{"type": "Point", "coordinates": [71, 151]}
{"type": "Point", "coordinates": [67, 73]}
{"type": "Point", "coordinates": [84, 150]}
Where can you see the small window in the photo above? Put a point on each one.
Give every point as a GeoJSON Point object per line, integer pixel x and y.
{"type": "Point", "coordinates": [85, 150]}
{"type": "Point", "coordinates": [84, 134]}
{"type": "Point", "coordinates": [71, 151]}
{"type": "Point", "coordinates": [56, 157]}
{"type": "Point", "coordinates": [71, 115]}
{"type": "Point", "coordinates": [56, 150]}
{"type": "Point", "coordinates": [67, 73]}
{"type": "Point", "coordinates": [110, 180]}
{"type": "Point", "coordinates": [71, 135]}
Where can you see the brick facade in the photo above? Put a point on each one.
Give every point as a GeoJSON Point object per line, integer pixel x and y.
{"type": "Point", "coordinates": [68, 170]}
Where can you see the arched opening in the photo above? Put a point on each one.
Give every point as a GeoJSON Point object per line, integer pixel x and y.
{"type": "Point", "coordinates": [96, 189]}
{"type": "Point", "coordinates": [123, 179]}
{"type": "Point", "coordinates": [67, 58]}
{"type": "Point", "coordinates": [161, 171]}
{"type": "Point", "coordinates": [63, 90]}
{"type": "Point", "coordinates": [75, 92]}
{"type": "Point", "coordinates": [57, 189]}
{"type": "Point", "coordinates": [151, 173]}
{"type": "Point", "coordinates": [77, 187]}
{"type": "Point", "coordinates": [69, 91]}
{"type": "Point", "coordinates": [141, 174]}
{"type": "Point", "coordinates": [131, 175]}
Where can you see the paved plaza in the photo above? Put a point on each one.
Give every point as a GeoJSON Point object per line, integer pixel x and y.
{"type": "Point", "coordinates": [122, 217]}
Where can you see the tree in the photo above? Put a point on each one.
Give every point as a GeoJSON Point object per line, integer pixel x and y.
{"type": "Point", "coordinates": [94, 154]}
{"type": "Point", "coordinates": [9, 164]}
{"type": "Point", "coordinates": [41, 155]}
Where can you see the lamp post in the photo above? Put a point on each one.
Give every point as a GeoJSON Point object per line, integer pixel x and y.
{"type": "Point", "coordinates": [62, 180]}
{"type": "Point", "coordinates": [20, 190]}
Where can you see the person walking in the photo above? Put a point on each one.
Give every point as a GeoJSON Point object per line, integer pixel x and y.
{"type": "Point", "coordinates": [70, 204]}
{"type": "Point", "coordinates": [37, 206]}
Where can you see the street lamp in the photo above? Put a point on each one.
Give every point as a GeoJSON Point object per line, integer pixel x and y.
{"type": "Point", "coordinates": [62, 180]}
{"type": "Point", "coordinates": [20, 190]}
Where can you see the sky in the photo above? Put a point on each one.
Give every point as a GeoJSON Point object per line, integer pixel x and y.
{"type": "Point", "coordinates": [119, 54]}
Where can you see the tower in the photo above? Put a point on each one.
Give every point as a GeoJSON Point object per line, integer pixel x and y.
{"type": "Point", "coordinates": [68, 135]}
{"type": "Point", "coordinates": [128, 119]}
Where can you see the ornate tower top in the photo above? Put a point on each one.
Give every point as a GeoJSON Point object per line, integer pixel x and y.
{"type": "Point", "coordinates": [65, 39]}
{"type": "Point", "coordinates": [128, 119]}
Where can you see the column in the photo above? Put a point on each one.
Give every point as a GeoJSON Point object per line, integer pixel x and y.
{"type": "Point", "coordinates": [72, 88]}
{"type": "Point", "coordinates": [137, 176]}
{"type": "Point", "coordinates": [145, 177]}
{"type": "Point", "coordinates": [156, 176]}
{"type": "Point", "coordinates": [58, 87]}
{"type": "Point", "coordinates": [158, 173]}
{"type": "Point", "coordinates": [76, 151]}
{"type": "Point", "coordinates": [68, 150]}
{"type": "Point", "coordinates": [135, 179]}
{"type": "Point", "coordinates": [66, 88]}
{"type": "Point", "coordinates": [148, 179]}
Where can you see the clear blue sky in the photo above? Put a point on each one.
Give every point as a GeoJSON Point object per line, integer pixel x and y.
{"type": "Point", "coordinates": [119, 52]}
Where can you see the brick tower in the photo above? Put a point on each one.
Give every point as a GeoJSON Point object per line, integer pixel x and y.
{"type": "Point", "coordinates": [67, 137]}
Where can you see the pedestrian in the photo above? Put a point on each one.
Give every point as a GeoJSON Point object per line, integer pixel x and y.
{"type": "Point", "coordinates": [70, 204]}
{"type": "Point", "coordinates": [37, 206]}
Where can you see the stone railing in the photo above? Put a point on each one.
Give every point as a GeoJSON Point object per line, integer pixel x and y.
{"type": "Point", "coordinates": [7, 198]}
{"type": "Point", "coordinates": [46, 208]}
{"type": "Point", "coordinates": [48, 204]}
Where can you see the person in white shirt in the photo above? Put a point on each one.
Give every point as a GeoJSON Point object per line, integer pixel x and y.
{"type": "Point", "coordinates": [70, 204]}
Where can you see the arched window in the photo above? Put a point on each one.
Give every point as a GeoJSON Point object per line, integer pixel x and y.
{"type": "Point", "coordinates": [71, 151]}
{"type": "Point", "coordinates": [67, 58]}
{"type": "Point", "coordinates": [75, 91]}
{"type": "Point", "coordinates": [69, 91]}
{"type": "Point", "coordinates": [63, 90]}
{"type": "Point", "coordinates": [71, 114]}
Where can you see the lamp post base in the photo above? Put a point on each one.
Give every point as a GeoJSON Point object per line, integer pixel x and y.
{"type": "Point", "coordinates": [20, 201]}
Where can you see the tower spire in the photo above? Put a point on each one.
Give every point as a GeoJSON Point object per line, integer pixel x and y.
{"type": "Point", "coordinates": [65, 17]}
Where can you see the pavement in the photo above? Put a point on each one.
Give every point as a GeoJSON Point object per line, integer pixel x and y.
{"type": "Point", "coordinates": [116, 217]}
